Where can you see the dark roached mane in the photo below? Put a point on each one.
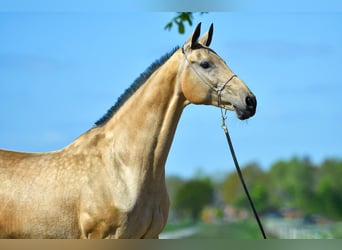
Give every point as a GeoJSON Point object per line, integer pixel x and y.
{"type": "Point", "coordinates": [134, 87]}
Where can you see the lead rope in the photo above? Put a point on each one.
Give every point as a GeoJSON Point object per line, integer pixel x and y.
{"type": "Point", "coordinates": [225, 129]}
{"type": "Point", "coordinates": [218, 90]}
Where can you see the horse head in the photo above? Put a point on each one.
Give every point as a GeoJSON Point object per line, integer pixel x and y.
{"type": "Point", "coordinates": [208, 80]}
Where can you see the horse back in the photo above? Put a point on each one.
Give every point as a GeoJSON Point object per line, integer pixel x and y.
{"type": "Point", "coordinates": [33, 199]}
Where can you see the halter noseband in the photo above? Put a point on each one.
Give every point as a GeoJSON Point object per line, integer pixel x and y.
{"type": "Point", "coordinates": [217, 90]}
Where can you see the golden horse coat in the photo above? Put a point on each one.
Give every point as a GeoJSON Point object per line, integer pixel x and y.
{"type": "Point", "coordinates": [110, 181]}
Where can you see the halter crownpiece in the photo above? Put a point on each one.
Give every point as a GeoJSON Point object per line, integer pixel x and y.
{"type": "Point", "coordinates": [218, 89]}
{"type": "Point", "coordinates": [204, 43]}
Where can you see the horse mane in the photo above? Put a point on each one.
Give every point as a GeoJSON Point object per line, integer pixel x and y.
{"type": "Point", "coordinates": [134, 87]}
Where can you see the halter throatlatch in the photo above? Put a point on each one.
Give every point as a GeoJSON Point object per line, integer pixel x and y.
{"type": "Point", "coordinates": [218, 91]}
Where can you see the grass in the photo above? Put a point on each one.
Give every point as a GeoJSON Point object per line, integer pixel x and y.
{"type": "Point", "coordinates": [243, 229]}
{"type": "Point", "coordinates": [336, 230]}
{"type": "Point", "coordinates": [178, 225]}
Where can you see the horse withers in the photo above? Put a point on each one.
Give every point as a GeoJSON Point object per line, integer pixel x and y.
{"type": "Point", "coordinates": [110, 181]}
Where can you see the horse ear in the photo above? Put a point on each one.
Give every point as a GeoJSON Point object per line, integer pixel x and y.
{"type": "Point", "coordinates": [207, 37]}
{"type": "Point", "coordinates": [195, 35]}
{"type": "Point", "coordinates": [193, 39]}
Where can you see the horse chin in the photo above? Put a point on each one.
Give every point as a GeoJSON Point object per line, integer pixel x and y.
{"type": "Point", "coordinates": [240, 113]}
{"type": "Point", "coordinates": [243, 114]}
{"type": "Point", "coordinates": [228, 106]}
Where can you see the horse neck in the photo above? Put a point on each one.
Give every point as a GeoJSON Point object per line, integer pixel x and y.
{"type": "Point", "coordinates": [140, 134]}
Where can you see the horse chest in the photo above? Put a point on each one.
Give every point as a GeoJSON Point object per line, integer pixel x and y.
{"type": "Point", "coordinates": [148, 218]}
{"type": "Point", "coordinates": [122, 213]}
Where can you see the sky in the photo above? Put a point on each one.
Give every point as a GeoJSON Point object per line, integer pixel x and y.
{"type": "Point", "coordinates": [60, 71]}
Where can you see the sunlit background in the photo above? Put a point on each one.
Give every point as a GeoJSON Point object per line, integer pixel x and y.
{"type": "Point", "coordinates": [60, 71]}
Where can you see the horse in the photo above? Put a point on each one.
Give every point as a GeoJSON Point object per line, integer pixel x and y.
{"type": "Point", "coordinates": [110, 181]}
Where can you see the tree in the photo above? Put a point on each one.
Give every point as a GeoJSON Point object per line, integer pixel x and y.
{"type": "Point", "coordinates": [292, 184]}
{"type": "Point", "coordinates": [193, 196]}
{"type": "Point", "coordinates": [256, 181]}
{"type": "Point", "coordinates": [328, 188]}
{"type": "Point", "coordinates": [180, 20]}
{"type": "Point", "coordinates": [173, 183]}
{"type": "Point", "coordinates": [231, 188]}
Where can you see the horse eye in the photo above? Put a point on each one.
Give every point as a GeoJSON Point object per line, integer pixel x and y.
{"type": "Point", "coordinates": [205, 64]}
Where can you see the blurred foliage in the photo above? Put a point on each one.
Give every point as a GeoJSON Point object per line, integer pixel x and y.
{"type": "Point", "coordinates": [193, 196]}
{"type": "Point", "coordinates": [232, 192]}
{"type": "Point", "coordinates": [328, 188]}
{"type": "Point", "coordinates": [181, 20]}
{"type": "Point", "coordinates": [173, 183]}
{"type": "Point", "coordinates": [293, 183]}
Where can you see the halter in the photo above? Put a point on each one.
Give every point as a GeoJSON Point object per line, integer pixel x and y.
{"type": "Point", "coordinates": [218, 91]}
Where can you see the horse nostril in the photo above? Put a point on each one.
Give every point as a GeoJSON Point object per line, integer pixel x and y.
{"type": "Point", "coordinates": [251, 101]}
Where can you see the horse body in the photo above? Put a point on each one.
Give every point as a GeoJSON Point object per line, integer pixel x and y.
{"type": "Point", "coordinates": [34, 203]}
{"type": "Point", "coordinates": [110, 182]}
{"type": "Point", "coordinates": [107, 183]}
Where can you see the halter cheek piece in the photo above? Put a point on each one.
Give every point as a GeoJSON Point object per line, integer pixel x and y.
{"type": "Point", "coordinates": [218, 89]}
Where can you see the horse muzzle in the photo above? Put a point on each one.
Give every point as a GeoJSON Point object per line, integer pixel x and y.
{"type": "Point", "coordinates": [249, 109]}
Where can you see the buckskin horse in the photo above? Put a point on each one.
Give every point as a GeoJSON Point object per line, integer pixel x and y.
{"type": "Point", "coordinates": [110, 181]}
